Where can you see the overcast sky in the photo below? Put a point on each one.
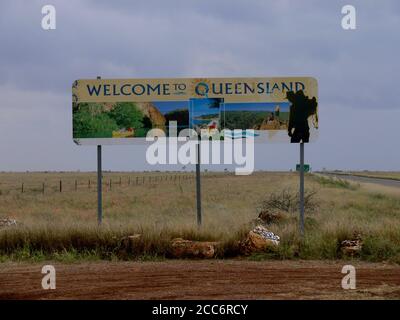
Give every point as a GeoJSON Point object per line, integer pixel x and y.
{"type": "Point", "coordinates": [357, 71]}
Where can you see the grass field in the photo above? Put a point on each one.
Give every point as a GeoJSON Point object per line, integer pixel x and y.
{"type": "Point", "coordinates": [63, 226]}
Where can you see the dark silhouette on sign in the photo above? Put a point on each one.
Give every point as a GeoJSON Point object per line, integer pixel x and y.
{"type": "Point", "coordinates": [301, 109]}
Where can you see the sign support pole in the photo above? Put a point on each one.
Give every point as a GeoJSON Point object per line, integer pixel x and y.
{"type": "Point", "coordinates": [99, 187]}
{"type": "Point", "coordinates": [302, 189]}
{"type": "Point", "coordinates": [99, 184]}
{"type": "Point", "coordinates": [198, 185]}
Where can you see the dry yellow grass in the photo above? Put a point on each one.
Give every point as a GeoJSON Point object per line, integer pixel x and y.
{"type": "Point", "coordinates": [167, 206]}
{"type": "Point", "coordinates": [228, 200]}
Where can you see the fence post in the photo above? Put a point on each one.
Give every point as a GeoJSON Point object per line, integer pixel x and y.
{"type": "Point", "coordinates": [76, 185]}
{"type": "Point", "coordinates": [43, 188]}
{"type": "Point", "coordinates": [60, 185]}
{"type": "Point", "coordinates": [22, 188]}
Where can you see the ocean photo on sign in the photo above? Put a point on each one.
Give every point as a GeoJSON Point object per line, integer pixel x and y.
{"type": "Point", "coordinates": [205, 114]}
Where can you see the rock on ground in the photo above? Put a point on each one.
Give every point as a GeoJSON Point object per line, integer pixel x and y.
{"type": "Point", "coordinates": [7, 222]}
{"type": "Point", "coordinates": [353, 246]}
{"type": "Point", "coordinates": [181, 248]}
{"type": "Point", "coordinates": [259, 239]}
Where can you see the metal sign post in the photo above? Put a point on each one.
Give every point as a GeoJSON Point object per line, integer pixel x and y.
{"type": "Point", "coordinates": [302, 189]}
{"type": "Point", "coordinates": [198, 185]}
{"type": "Point", "coordinates": [99, 184]}
{"type": "Point", "coordinates": [99, 187]}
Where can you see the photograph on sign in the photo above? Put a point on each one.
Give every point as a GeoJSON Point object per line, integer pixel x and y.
{"type": "Point", "coordinates": [115, 111]}
{"type": "Point", "coordinates": [126, 119]}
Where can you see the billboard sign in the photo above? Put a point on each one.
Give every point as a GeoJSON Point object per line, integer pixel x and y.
{"type": "Point", "coordinates": [123, 111]}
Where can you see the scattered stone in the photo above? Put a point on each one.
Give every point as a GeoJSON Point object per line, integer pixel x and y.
{"type": "Point", "coordinates": [7, 222]}
{"type": "Point", "coordinates": [259, 239]}
{"type": "Point", "coordinates": [352, 247]}
{"type": "Point", "coordinates": [181, 248]}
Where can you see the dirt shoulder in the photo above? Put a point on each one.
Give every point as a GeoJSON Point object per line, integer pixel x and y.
{"type": "Point", "coordinates": [217, 279]}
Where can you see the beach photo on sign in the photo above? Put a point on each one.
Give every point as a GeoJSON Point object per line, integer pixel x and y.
{"type": "Point", "coordinates": [204, 115]}
{"type": "Point", "coordinates": [256, 116]}
{"type": "Point", "coordinates": [126, 119]}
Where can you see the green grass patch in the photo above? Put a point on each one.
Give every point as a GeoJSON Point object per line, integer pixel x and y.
{"type": "Point", "coordinates": [335, 182]}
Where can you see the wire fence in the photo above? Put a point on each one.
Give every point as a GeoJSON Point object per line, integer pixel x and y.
{"type": "Point", "coordinates": [109, 183]}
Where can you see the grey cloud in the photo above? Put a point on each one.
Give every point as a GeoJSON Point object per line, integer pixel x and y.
{"type": "Point", "coordinates": [357, 70]}
{"type": "Point", "coordinates": [175, 38]}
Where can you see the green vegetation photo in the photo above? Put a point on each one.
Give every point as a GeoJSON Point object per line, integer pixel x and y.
{"type": "Point", "coordinates": [94, 120]}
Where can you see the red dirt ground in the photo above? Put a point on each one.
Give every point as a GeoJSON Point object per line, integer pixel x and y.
{"type": "Point", "coordinates": [215, 279]}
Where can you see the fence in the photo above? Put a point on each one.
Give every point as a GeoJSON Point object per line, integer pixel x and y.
{"type": "Point", "coordinates": [109, 183]}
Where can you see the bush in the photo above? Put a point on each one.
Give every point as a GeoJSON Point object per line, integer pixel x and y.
{"type": "Point", "coordinates": [377, 248]}
{"type": "Point", "coordinates": [289, 201]}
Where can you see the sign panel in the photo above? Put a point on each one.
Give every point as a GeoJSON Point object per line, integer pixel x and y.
{"type": "Point", "coordinates": [306, 167]}
{"type": "Point", "coordinates": [123, 111]}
